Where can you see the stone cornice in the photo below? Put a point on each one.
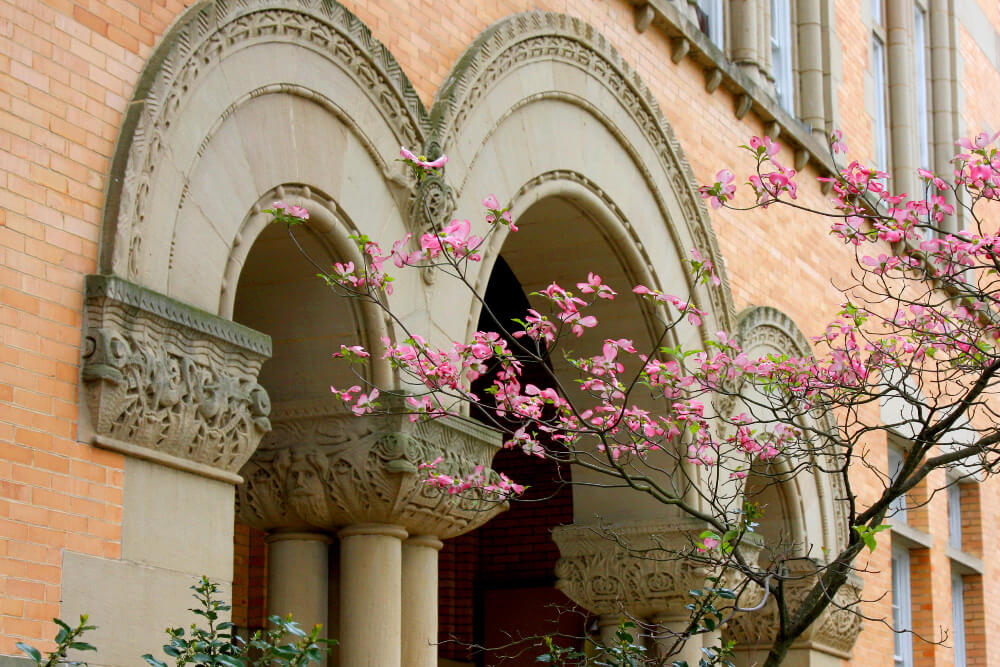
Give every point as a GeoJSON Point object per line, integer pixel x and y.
{"type": "Point", "coordinates": [689, 42]}
{"type": "Point", "coordinates": [176, 312]}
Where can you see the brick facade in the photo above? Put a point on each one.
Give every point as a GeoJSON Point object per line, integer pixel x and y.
{"type": "Point", "coordinates": [67, 72]}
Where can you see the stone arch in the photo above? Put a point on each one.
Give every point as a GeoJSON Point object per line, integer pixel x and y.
{"type": "Point", "coordinates": [766, 330]}
{"type": "Point", "coordinates": [812, 507]}
{"type": "Point", "coordinates": [527, 62]}
{"type": "Point", "coordinates": [210, 68]}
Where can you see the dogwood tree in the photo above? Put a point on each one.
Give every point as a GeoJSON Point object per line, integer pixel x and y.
{"type": "Point", "coordinates": [918, 328]}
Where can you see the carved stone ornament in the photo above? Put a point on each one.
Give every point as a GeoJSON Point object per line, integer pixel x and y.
{"type": "Point", "coordinates": [325, 469]}
{"type": "Point", "coordinates": [650, 577]}
{"type": "Point", "coordinates": [834, 632]}
{"type": "Point", "coordinates": [166, 381]}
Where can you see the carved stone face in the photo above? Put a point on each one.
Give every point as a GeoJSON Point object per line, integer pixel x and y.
{"type": "Point", "coordinates": [304, 489]}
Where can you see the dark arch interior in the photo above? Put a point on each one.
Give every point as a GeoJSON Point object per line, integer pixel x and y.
{"type": "Point", "coordinates": [497, 582]}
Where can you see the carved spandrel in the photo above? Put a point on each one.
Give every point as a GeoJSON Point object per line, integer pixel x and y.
{"type": "Point", "coordinates": [162, 376]}
{"type": "Point", "coordinates": [331, 469]}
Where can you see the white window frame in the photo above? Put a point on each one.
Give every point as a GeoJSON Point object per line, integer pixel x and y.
{"type": "Point", "coordinates": [782, 63]}
{"type": "Point", "coordinates": [880, 80]}
{"type": "Point", "coordinates": [712, 9]}
{"type": "Point", "coordinates": [955, 515]}
{"type": "Point", "coordinates": [902, 614]}
{"type": "Point", "coordinates": [921, 71]}
{"type": "Point", "coordinates": [958, 619]}
{"type": "Point", "coordinates": [897, 508]}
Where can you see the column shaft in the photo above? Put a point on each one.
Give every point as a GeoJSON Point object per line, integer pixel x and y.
{"type": "Point", "coordinates": [371, 595]}
{"type": "Point", "coordinates": [297, 577]}
{"type": "Point", "coordinates": [665, 639]}
{"type": "Point", "coordinates": [420, 601]}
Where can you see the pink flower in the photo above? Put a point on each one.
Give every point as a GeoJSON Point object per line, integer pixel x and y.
{"type": "Point", "coordinates": [298, 212]}
{"type": "Point", "coordinates": [421, 161]}
{"type": "Point", "coordinates": [279, 205]}
{"type": "Point", "coordinates": [837, 144]}
{"type": "Point", "coordinates": [491, 203]}
{"type": "Point", "coordinates": [770, 148]}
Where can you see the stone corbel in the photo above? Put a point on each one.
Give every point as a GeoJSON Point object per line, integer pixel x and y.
{"type": "Point", "coordinates": [638, 569]}
{"type": "Point", "coordinates": [170, 383]}
{"type": "Point", "coordinates": [833, 633]}
{"type": "Point", "coordinates": [322, 469]}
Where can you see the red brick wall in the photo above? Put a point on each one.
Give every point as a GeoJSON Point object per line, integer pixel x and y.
{"type": "Point", "coordinates": [67, 71]}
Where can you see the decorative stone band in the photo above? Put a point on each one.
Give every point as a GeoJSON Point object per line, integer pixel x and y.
{"type": "Point", "coordinates": [321, 468]}
{"type": "Point", "coordinates": [170, 383]}
{"type": "Point", "coordinates": [834, 632]}
{"type": "Point", "coordinates": [636, 568]}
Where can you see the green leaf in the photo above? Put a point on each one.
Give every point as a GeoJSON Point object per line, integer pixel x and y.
{"type": "Point", "coordinates": [153, 661]}
{"type": "Point", "coordinates": [231, 661]}
{"type": "Point", "coordinates": [82, 646]}
{"type": "Point", "coordinates": [30, 651]}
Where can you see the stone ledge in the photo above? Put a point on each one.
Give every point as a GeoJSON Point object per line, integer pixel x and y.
{"type": "Point", "coordinates": [964, 563]}
{"type": "Point", "coordinates": [689, 42]}
{"type": "Point", "coordinates": [131, 294]}
{"type": "Point", "coordinates": [910, 537]}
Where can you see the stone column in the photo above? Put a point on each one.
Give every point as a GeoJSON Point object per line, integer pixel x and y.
{"type": "Point", "coordinates": [902, 104]}
{"type": "Point", "coordinates": [297, 571]}
{"type": "Point", "coordinates": [371, 595]}
{"type": "Point", "coordinates": [668, 626]}
{"type": "Point", "coordinates": [812, 106]}
{"type": "Point", "coordinates": [420, 601]}
{"type": "Point", "coordinates": [942, 89]}
{"type": "Point", "coordinates": [743, 28]}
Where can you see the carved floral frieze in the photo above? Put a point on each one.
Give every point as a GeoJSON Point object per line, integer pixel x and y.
{"type": "Point", "coordinates": [161, 376]}
{"type": "Point", "coordinates": [321, 468]}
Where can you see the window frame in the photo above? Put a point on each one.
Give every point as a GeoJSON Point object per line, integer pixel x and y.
{"type": "Point", "coordinates": [958, 620]}
{"type": "Point", "coordinates": [782, 43]}
{"type": "Point", "coordinates": [955, 515]}
{"type": "Point", "coordinates": [880, 84]}
{"type": "Point", "coordinates": [902, 609]}
{"type": "Point", "coordinates": [715, 23]}
{"type": "Point", "coordinates": [922, 83]}
{"type": "Point", "coordinates": [895, 457]}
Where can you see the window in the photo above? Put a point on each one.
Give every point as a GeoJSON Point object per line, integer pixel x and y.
{"type": "Point", "coordinates": [880, 131]}
{"type": "Point", "coordinates": [709, 13]}
{"type": "Point", "coordinates": [781, 54]}
{"type": "Point", "coordinates": [920, 71]}
{"type": "Point", "coordinates": [955, 515]}
{"type": "Point", "coordinates": [897, 510]}
{"type": "Point", "coordinates": [902, 647]}
{"type": "Point", "coordinates": [958, 618]}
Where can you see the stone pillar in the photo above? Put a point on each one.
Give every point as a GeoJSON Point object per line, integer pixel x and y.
{"type": "Point", "coordinates": [812, 106]}
{"type": "Point", "coordinates": [942, 89]}
{"type": "Point", "coordinates": [902, 104]}
{"type": "Point", "coordinates": [371, 595]}
{"type": "Point", "coordinates": [668, 625]}
{"type": "Point", "coordinates": [743, 28]}
{"type": "Point", "coordinates": [297, 572]}
{"type": "Point", "coordinates": [420, 601]}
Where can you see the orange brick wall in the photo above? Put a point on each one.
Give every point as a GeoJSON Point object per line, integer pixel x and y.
{"type": "Point", "coordinates": [67, 71]}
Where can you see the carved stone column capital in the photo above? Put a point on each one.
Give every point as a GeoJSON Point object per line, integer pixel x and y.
{"type": "Point", "coordinates": [171, 383]}
{"type": "Point", "coordinates": [636, 568]}
{"type": "Point", "coordinates": [834, 632]}
{"type": "Point", "coordinates": [324, 469]}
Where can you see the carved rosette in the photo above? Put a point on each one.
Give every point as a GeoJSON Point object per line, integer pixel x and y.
{"type": "Point", "coordinates": [166, 381]}
{"type": "Point", "coordinates": [324, 469]}
{"type": "Point", "coordinates": [638, 569]}
{"type": "Point", "coordinates": [834, 632]}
